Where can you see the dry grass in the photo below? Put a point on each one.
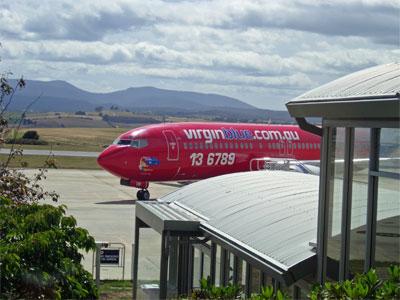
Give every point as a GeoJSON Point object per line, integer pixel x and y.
{"type": "Point", "coordinates": [62, 162]}
{"type": "Point", "coordinates": [78, 139]}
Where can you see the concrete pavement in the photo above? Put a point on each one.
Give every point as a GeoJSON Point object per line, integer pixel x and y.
{"type": "Point", "coordinates": [106, 209]}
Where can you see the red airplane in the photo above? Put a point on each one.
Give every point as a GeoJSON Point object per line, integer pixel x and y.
{"type": "Point", "coordinates": [191, 151]}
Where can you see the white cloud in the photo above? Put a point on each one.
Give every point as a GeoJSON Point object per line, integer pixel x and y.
{"type": "Point", "coordinates": [251, 49]}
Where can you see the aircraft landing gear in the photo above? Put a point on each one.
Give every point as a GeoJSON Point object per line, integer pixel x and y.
{"type": "Point", "coordinates": [143, 195]}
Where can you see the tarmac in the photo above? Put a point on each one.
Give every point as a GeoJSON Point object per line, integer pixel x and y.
{"type": "Point", "coordinates": [107, 209]}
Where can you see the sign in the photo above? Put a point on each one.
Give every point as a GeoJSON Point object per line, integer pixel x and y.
{"type": "Point", "coordinates": [109, 256]}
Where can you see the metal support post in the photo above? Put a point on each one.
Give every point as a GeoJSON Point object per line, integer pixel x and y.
{"type": "Point", "coordinates": [98, 247]}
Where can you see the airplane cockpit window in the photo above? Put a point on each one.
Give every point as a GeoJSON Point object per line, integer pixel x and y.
{"type": "Point", "coordinates": [122, 142]}
{"type": "Point", "coordinates": [140, 143]}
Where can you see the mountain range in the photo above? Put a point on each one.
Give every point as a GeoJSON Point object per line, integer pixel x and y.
{"type": "Point", "coordinates": [61, 96]}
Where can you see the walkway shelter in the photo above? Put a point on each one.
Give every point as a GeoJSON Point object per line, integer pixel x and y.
{"type": "Point", "coordinates": [251, 229]}
{"type": "Point", "coordinates": [360, 145]}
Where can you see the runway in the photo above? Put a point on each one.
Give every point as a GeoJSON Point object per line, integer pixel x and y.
{"type": "Point", "coordinates": [107, 209]}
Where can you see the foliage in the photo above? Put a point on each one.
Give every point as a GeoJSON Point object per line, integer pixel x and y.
{"type": "Point", "coordinates": [362, 286]}
{"type": "Point", "coordinates": [39, 251]}
{"type": "Point", "coordinates": [14, 184]}
{"type": "Point", "coordinates": [268, 293]}
{"type": "Point", "coordinates": [209, 291]}
{"type": "Point", "coordinates": [31, 134]}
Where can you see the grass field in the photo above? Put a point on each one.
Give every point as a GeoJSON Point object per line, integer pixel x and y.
{"type": "Point", "coordinates": [75, 139]}
{"type": "Point", "coordinates": [62, 162]}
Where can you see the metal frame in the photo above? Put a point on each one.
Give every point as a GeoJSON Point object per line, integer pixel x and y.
{"type": "Point", "coordinates": [346, 204]}
{"type": "Point", "coordinates": [323, 208]}
{"type": "Point", "coordinates": [372, 200]}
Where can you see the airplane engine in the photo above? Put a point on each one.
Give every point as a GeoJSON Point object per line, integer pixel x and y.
{"type": "Point", "coordinates": [135, 183]}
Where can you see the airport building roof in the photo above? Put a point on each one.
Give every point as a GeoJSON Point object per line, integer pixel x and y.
{"type": "Point", "coordinates": [270, 215]}
{"type": "Point", "coordinates": [372, 92]}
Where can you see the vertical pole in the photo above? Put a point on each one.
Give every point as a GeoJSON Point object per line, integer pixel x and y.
{"type": "Point", "coordinates": [372, 204]}
{"type": "Point", "coordinates": [248, 279]}
{"type": "Point", "coordinates": [135, 259]}
{"type": "Point", "coordinates": [323, 208]}
{"type": "Point", "coordinates": [213, 261]}
{"type": "Point", "coordinates": [98, 249]}
{"type": "Point", "coordinates": [346, 204]}
{"type": "Point", "coordinates": [163, 265]}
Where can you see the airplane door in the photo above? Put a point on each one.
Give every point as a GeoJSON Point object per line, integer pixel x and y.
{"type": "Point", "coordinates": [282, 148]}
{"type": "Point", "coordinates": [172, 145]}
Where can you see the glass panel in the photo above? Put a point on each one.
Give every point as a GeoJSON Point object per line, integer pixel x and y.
{"type": "Point", "coordinates": [255, 280]}
{"type": "Point", "coordinates": [387, 249]}
{"type": "Point", "coordinates": [206, 266]}
{"type": "Point", "coordinates": [149, 263]}
{"type": "Point", "coordinates": [231, 267]}
{"type": "Point", "coordinates": [242, 279]}
{"type": "Point", "coordinates": [196, 268]}
{"type": "Point", "coordinates": [218, 266]}
{"type": "Point", "coordinates": [359, 200]}
{"type": "Point", "coordinates": [389, 150]}
{"type": "Point", "coordinates": [335, 205]}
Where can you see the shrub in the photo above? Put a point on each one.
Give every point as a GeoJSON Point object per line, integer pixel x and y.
{"type": "Point", "coordinates": [39, 253]}
{"type": "Point", "coordinates": [31, 135]}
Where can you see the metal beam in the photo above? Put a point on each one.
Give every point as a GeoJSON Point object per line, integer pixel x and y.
{"type": "Point", "coordinates": [372, 200]}
{"type": "Point", "coordinates": [346, 204]}
{"type": "Point", "coordinates": [324, 194]}
{"type": "Point", "coordinates": [135, 259]}
{"type": "Point", "coordinates": [164, 265]}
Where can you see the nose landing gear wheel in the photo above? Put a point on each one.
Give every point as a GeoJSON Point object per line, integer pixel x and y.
{"type": "Point", "coordinates": [143, 195]}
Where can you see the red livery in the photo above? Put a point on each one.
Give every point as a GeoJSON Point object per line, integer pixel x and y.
{"type": "Point", "coordinates": [191, 151]}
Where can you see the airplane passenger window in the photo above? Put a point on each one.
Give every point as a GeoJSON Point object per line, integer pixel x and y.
{"type": "Point", "coordinates": [216, 145]}
{"type": "Point", "coordinates": [201, 146]}
{"type": "Point", "coordinates": [294, 146]}
{"type": "Point", "coordinates": [251, 146]}
{"type": "Point", "coordinates": [184, 145]}
{"type": "Point", "coordinates": [269, 146]}
{"type": "Point", "coordinates": [303, 146]}
{"type": "Point", "coordinates": [190, 146]}
{"type": "Point", "coordinates": [236, 146]}
{"type": "Point", "coordinates": [241, 145]}
{"type": "Point", "coordinates": [260, 145]}
{"type": "Point", "coordinates": [206, 146]}
{"type": "Point", "coordinates": [315, 146]}
{"type": "Point", "coordinates": [195, 145]}
{"type": "Point", "coordinates": [226, 146]}
{"type": "Point", "coordinates": [211, 146]}
{"type": "Point", "coordinates": [221, 146]}
{"type": "Point", "coordinates": [230, 146]}
{"type": "Point", "coordinates": [246, 145]}
{"type": "Point", "coordinates": [307, 146]}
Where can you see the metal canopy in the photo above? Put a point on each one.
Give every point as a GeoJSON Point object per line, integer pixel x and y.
{"type": "Point", "coordinates": [369, 93]}
{"type": "Point", "coordinates": [161, 217]}
{"type": "Point", "coordinates": [267, 217]}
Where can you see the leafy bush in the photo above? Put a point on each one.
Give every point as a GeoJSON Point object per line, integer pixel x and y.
{"type": "Point", "coordinates": [31, 135]}
{"type": "Point", "coordinates": [362, 286]}
{"type": "Point", "coordinates": [209, 291]}
{"type": "Point", "coordinates": [39, 252]}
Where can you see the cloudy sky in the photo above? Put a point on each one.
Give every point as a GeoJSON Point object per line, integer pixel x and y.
{"type": "Point", "coordinates": [261, 52]}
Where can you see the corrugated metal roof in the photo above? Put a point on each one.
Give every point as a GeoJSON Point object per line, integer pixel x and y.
{"type": "Point", "coordinates": [274, 213]}
{"type": "Point", "coordinates": [378, 82]}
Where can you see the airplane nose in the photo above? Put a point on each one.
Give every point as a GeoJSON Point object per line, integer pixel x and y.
{"type": "Point", "coordinates": [108, 159]}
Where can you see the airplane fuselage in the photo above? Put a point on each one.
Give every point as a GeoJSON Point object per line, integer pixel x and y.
{"type": "Point", "coordinates": [191, 151]}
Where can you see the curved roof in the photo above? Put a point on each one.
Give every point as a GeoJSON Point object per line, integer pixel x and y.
{"type": "Point", "coordinates": [272, 214]}
{"type": "Point", "coordinates": [377, 84]}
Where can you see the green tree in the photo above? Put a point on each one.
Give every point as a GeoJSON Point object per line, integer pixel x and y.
{"type": "Point", "coordinates": [39, 252]}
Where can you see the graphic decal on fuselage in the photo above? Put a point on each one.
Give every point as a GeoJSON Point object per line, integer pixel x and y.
{"type": "Point", "coordinates": [240, 134]}
{"type": "Point", "coordinates": [147, 163]}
